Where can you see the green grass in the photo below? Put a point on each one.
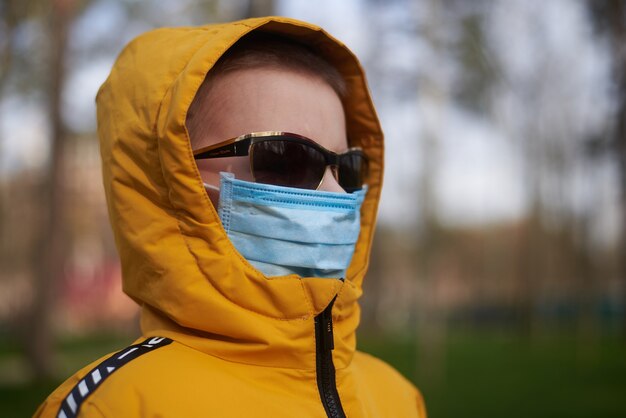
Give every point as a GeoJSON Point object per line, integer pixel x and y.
{"type": "Point", "coordinates": [21, 400]}
{"type": "Point", "coordinates": [477, 374]}
{"type": "Point", "coordinates": [484, 374]}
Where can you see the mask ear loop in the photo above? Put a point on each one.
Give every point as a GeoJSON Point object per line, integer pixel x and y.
{"type": "Point", "coordinates": [210, 186]}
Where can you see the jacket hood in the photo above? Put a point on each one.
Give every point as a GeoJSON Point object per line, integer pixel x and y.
{"type": "Point", "coordinates": [177, 261]}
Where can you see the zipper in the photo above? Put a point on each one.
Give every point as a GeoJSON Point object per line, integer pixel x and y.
{"type": "Point", "coordinates": [325, 369]}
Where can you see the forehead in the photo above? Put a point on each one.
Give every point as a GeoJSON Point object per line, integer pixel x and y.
{"type": "Point", "coordinates": [270, 99]}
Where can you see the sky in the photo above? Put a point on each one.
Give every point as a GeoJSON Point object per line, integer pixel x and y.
{"type": "Point", "coordinates": [477, 178]}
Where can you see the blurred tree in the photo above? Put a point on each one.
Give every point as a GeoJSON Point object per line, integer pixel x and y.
{"type": "Point", "coordinates": [541, 103]}
{"type": "Point", "coordinates": [23, 72]}
{"type": "Point", "coordinates": [610, 19]}
{"type": "Point", "coordinates": [434, 91]}
{"type": "Point", "coordinates": [51, 254]}
{"type": "Point", "coordinates": [15, 15]}
{"type": "Point", "coordinates": [530, 86]}
{"type": "Point", "coordinates": [12, 14]}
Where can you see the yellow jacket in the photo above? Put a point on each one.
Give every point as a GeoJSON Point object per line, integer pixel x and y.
{"type": "Point", "coordinates": [219, 338]}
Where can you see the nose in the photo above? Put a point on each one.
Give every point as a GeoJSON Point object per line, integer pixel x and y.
{"type": "Point", "coordinates": [329, 182]}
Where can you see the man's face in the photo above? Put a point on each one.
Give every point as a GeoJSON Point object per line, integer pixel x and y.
{"type": "Point", "coordinates": [269, 99]}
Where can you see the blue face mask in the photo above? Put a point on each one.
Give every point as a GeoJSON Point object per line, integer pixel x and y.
{"type": "Point", "coordinates": [284, 230]}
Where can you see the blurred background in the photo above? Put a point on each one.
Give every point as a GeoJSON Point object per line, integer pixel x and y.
{"type": "Point", "coordinates": [498, 277]}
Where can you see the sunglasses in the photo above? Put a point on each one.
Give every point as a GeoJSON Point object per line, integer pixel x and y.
{"type": "Point", "coordinates": [291, 160]}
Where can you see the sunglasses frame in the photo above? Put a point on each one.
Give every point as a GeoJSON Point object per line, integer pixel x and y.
{"type": "Point", "coordinates": [241, 146]}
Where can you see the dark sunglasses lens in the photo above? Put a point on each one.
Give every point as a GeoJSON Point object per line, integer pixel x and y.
{"type": "Point", "coordinates": [352, 171]}
{"type": "Point", "coordinates": [287, 163]}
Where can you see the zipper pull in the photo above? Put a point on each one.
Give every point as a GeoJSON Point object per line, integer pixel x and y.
{"type": "Point", "coordinates": [326, 319]}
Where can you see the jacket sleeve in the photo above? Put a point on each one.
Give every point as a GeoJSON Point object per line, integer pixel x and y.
{"type": "Point", "coordinates": [51, 406]}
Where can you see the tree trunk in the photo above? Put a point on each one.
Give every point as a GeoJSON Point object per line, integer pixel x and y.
{"type": "Point", "coordinates": [431, 325]}
{"type": "Point", "coordinates": [609, 17]}
{"type": "Point", "coordinates": [49, 256]}
{"type": "Point", "coordinates": [616, 21]}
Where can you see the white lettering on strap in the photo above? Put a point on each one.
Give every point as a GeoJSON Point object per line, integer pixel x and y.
{"type": "Point", "coordinates": [127, 353]}
{"type": "Point", "coordinates": [153, 341]}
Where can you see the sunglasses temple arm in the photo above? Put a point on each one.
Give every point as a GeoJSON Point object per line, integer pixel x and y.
{"type": "Point", "coordinates": [236, 149]}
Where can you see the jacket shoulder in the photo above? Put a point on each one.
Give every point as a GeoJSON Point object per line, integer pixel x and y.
{"type": "Point", "coordinates": [74, 397]}
{"type": "Point", "coordinates": [388, 389]}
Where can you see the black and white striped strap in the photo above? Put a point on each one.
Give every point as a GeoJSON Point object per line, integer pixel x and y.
{"type": "Point", "coordinates": [87, 385]}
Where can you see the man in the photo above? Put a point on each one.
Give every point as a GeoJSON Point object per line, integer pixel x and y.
{"type": "Point", "coordinates": [249, 310]}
